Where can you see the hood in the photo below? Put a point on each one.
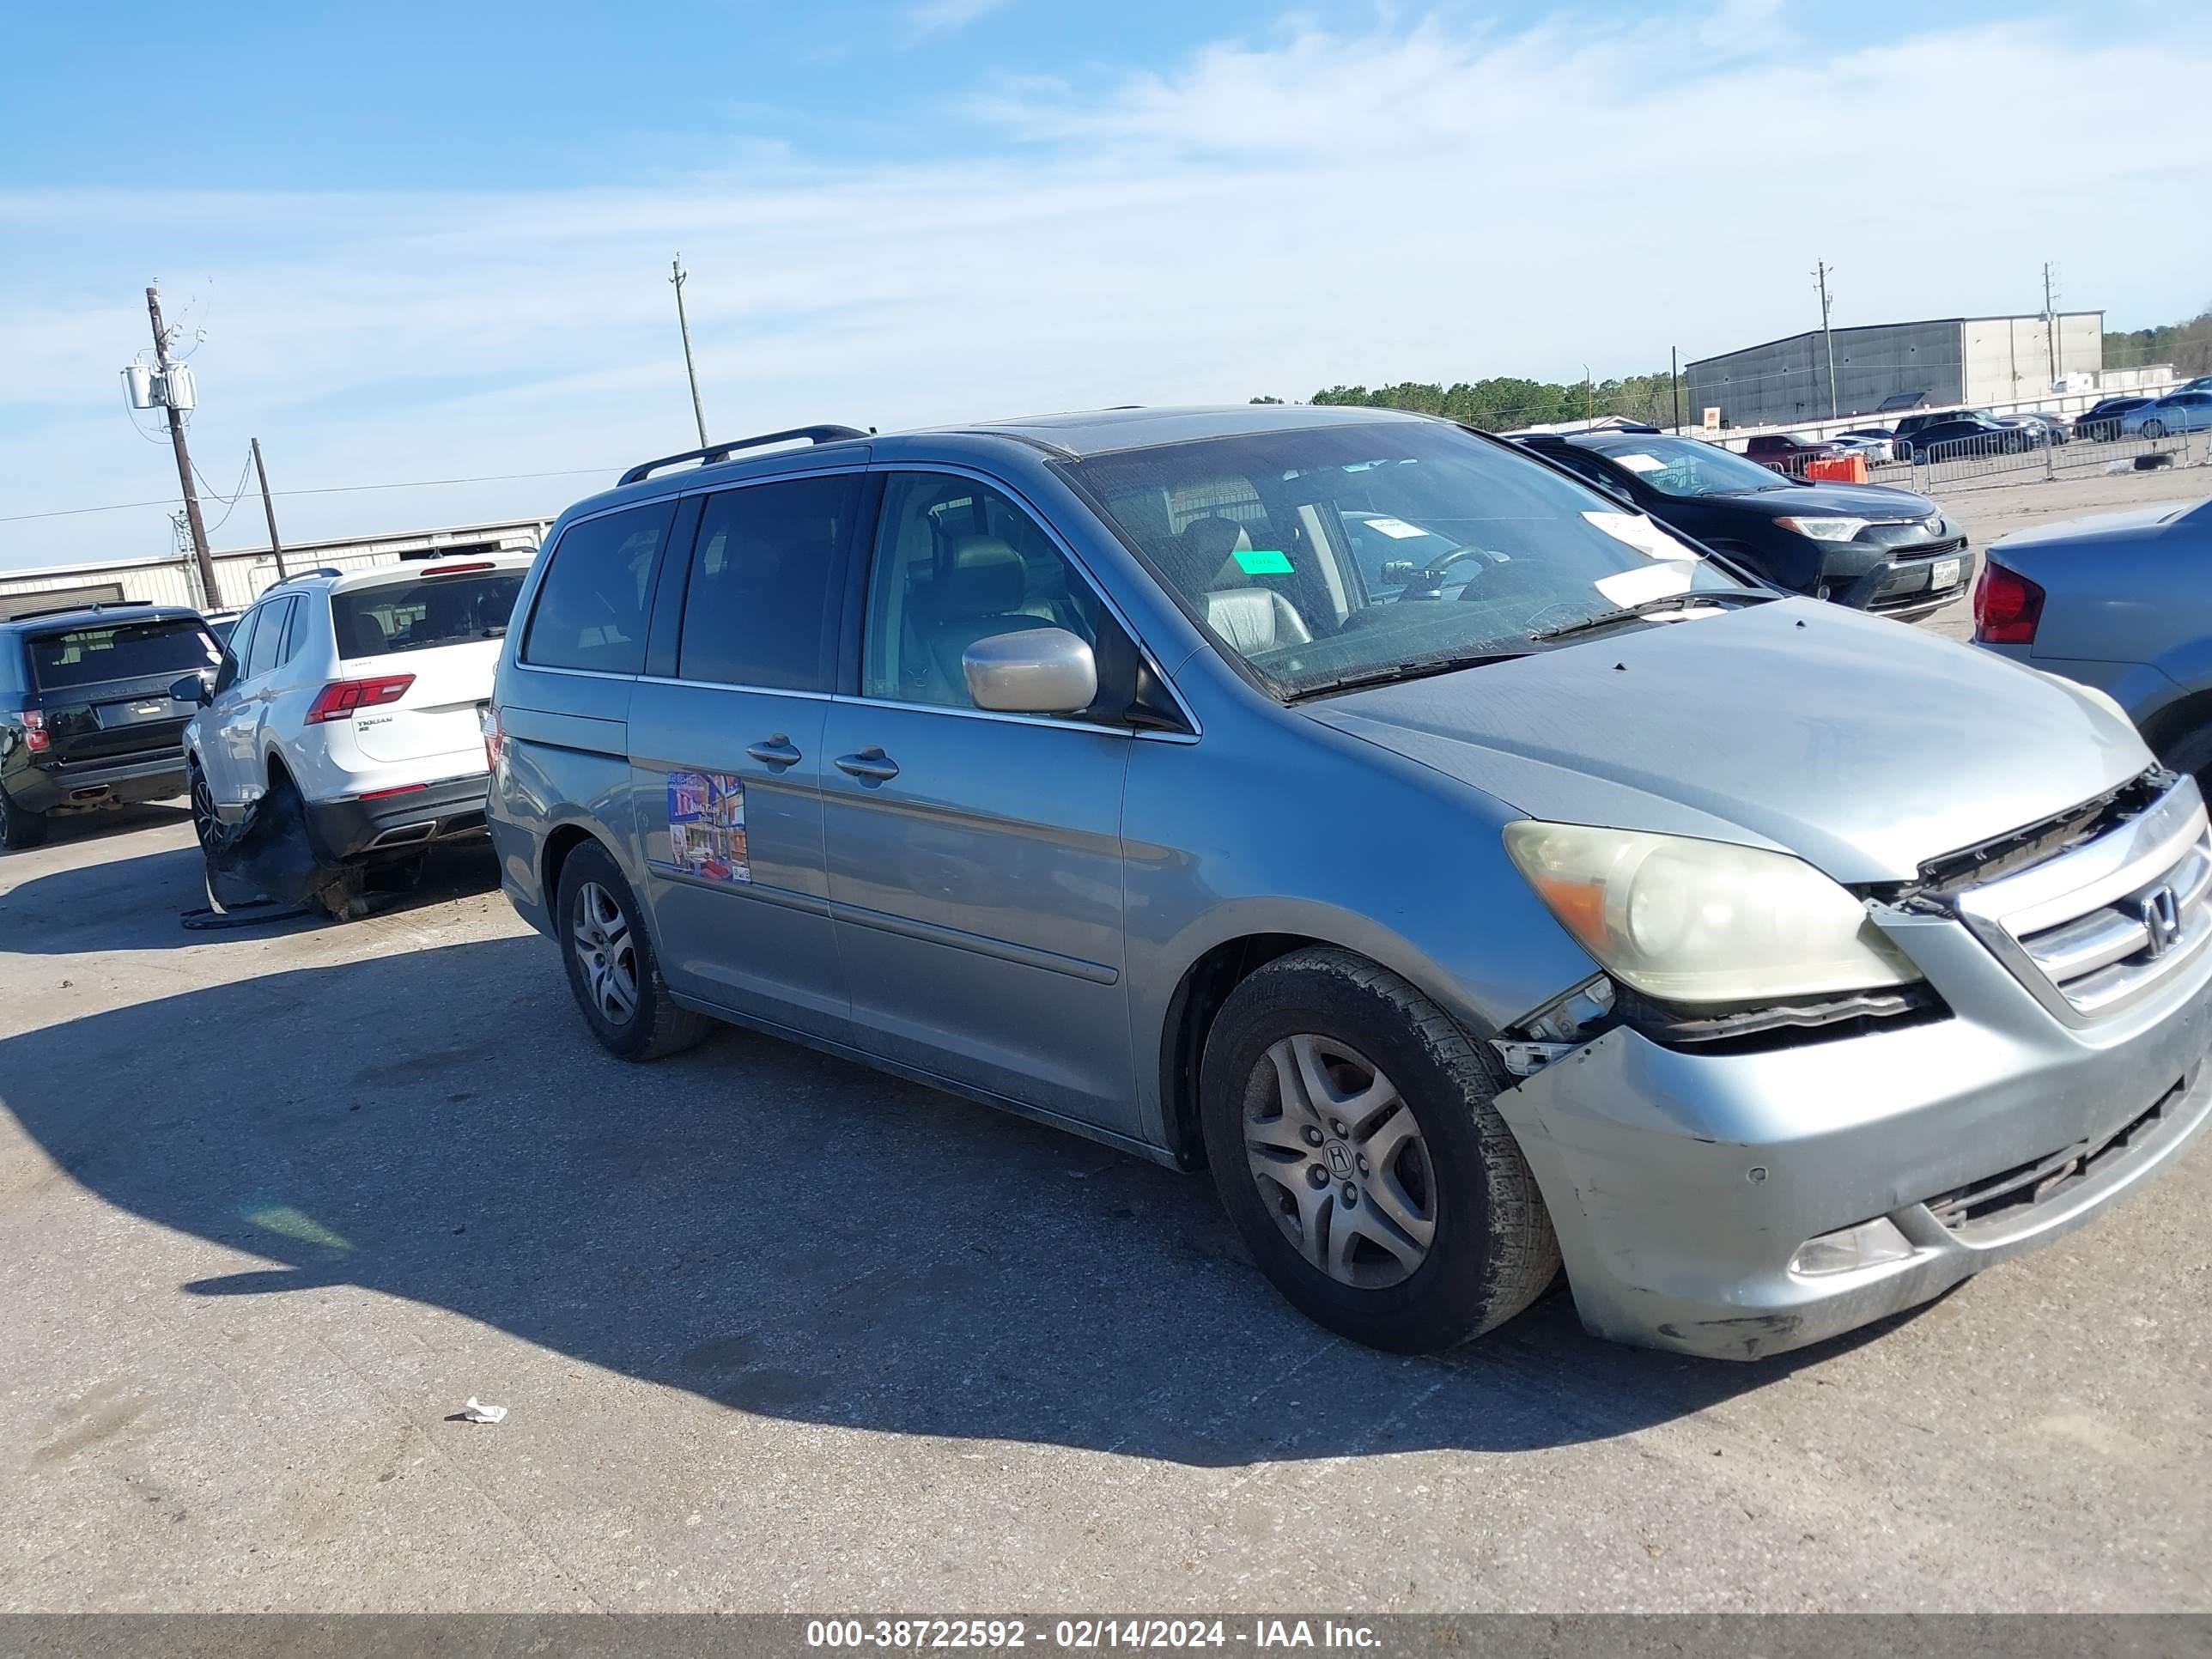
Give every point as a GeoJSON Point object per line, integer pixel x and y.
{"type": "Point", "coordinates": [1835, 501]}
{"type": "Point", "coordinates": [1862, 745]}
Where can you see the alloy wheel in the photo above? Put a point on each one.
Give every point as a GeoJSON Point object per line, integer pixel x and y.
{"type": "Point", "coordinates": [203, 818]}
{"type": "Point", "coordinates": [1340, 1162]}
{"type": "Point", "coordinates": [606, 953]}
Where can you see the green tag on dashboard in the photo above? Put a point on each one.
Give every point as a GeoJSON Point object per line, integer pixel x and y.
{"type": "Point", "coordinates": [1263, 561]}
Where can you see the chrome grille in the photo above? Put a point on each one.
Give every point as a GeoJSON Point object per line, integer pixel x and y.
{"type": "Point", "coordinates": [2093, 928]}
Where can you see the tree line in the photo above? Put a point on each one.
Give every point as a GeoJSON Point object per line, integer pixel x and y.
{"type": "Point", "coordinates": [2186, 345]}
{"type": "Point", "coordinates": [1503, 402]}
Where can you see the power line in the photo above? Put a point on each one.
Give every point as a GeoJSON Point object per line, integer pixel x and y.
{"type": "Point", "coordinates": [325, 489]}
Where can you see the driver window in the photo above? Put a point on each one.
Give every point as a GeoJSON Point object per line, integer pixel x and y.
{"type": "Point", "coordinates": [234, 652]}
{"type": "Point", "coordinates": [957, 561]}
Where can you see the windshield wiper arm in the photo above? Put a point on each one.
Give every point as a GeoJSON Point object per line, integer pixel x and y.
{"type": "Point", "coordinates": [1391, 673]}
{"type": "Point", "coordinates": [1650, 607]}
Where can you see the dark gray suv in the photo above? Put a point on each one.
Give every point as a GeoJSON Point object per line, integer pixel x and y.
{"type": "Point", "coordinates": [1582, 904]}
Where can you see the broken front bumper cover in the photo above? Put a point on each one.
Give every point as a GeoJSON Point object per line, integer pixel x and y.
{"type": "Point", "coordinates": [1682, 1184]}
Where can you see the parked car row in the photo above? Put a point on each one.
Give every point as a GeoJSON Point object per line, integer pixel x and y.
{"type": "Point", "coordinates": [1484, 858]}
{"type": "Point", "coordinates": [357, 694]}
{"type": "Point", "coordinates": [1866, 546]}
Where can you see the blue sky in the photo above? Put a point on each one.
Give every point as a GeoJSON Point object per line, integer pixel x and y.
{"type": "Point", "coordinates": [426, 242]}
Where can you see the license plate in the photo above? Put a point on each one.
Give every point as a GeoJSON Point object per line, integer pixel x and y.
{"type": "Point", "coordinates": [1944, 573]}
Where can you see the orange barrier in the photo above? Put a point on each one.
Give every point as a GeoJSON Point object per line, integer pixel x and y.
{"type": "Point", "coordinates": [1838, 468]}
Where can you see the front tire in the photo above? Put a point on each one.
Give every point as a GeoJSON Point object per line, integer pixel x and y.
{"type": "Point", "coordinates": [611, 965]}
{"type": "Point", "coordinates": [2154, 429]}
{"type": "Point", "coordinates": [2192, 752]}
{"type": "Point", "coordinates": [1349, 1126]}
{"type": "Point", "coordinates": [20, 828]}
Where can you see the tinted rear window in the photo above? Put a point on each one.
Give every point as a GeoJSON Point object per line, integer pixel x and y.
{"type": "Point", "coordinates": [592, 603]}
{"type": "Point", "coordinates": [760, 609]}
{"type": "Point", "coordinates": [376, 622]}
{"type": "Point", "coordinates": [121, 651]}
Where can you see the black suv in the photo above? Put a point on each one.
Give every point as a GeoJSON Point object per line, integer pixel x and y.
{"type": "Point", "coordinates": [86, 717]}
{"type": "Point", "coordinates": [1868, 546]}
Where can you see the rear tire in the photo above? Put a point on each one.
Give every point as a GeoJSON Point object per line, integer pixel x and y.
{"type": "Point", "coordinates": [2154, 429]}
{"type": "Point", "coordinates": [1438, 1237]}
{"type": "Point", "coordinates": [19, 828]}
{"type": "Point", "coordinates": [611, 965]}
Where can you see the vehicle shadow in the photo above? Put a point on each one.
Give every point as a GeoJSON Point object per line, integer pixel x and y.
{"type": "Point", "coordinates": [139, 903]}
{"type": "Point", "coordinates": [63, 829]}
{"type": "Point", "coordinates": [764, 1226]}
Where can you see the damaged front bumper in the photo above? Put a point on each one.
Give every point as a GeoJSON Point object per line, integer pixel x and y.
{"type": "Point", "coordinates": [1683, 1185]}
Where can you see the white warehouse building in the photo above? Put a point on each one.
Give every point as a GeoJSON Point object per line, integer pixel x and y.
{"type": "Point", "coordinates": [1971, 361]}
{"type": "Point", "coordinates": [175, 579]}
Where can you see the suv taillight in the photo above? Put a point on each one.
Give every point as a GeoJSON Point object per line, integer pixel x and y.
{"type": "Point", "coordinates": [2007, 606]}
{"type": "Point", "coordinates": [337, 699]}
{"type": "Point", "coordinates": [34, 731]}
{"type": "Point", "coordinates": [495, 735]}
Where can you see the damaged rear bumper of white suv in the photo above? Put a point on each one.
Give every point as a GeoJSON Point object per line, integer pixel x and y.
{"type": "Point", "coordinates": [1739, 1204]}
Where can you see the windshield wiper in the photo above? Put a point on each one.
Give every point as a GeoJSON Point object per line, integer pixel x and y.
{"type": "Point", "coordinates": [1650, 607]}
{"type": "Point", "coordinates": [1391, 673]}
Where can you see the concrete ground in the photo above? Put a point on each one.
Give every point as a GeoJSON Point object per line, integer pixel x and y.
{"type": "Point", "coordinates": [777, 1332]}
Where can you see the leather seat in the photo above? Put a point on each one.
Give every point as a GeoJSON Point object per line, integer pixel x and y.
{"type": "Point", "coordinates": [983, 593]}
{"type": "Point", "coordinates": [368, 637]}
{"type": "Point", "coordinates": [1250, 617]}
{"type": "Point", "coordinates": [1255, 619]}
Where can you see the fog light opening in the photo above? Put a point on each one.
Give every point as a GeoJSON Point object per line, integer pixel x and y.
{"type": "Point", "coordinates": [1868, 1245]}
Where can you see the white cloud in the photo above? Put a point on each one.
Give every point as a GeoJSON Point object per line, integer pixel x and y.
{"type": "Point", "coordinates": [1417, 203]}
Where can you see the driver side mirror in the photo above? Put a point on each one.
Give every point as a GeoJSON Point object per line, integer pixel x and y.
{"type": "Point", "coordinates": [1037, 670]}
{"type": "Point", "coordinates": [193, 689]}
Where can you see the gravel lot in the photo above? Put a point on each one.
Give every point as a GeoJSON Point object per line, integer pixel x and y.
{"type": "Point", "coordinates": [776, 1333]}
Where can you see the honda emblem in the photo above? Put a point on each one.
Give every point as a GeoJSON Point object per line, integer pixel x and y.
{"type": "Point", "coordinates": [2161, 919]}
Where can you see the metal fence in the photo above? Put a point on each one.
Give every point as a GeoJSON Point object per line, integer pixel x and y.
{"type": "Point", "coordinates": [2018, 456]}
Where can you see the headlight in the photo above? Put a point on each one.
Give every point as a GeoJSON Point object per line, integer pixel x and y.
{"type": "Point", "coordinates": [1824, 530]}
{"type": "Point", "coordinates": [1702, 921]}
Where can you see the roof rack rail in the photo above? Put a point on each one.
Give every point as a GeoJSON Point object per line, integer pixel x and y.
{"type": "Point", "coordinates": [302, 575]}
{"type": "Point", "coordinates": [714, 452]}
{"type": "Point", "coordinates": [68, 609]}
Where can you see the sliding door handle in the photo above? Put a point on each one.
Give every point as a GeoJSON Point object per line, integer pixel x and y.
{"type": "Point", "coordinates": [777, 751]}
{"type": "Point", "coordinates": [870, 764]}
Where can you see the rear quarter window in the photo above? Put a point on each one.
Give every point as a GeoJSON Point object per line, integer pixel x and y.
{"type": "Point", "coordinates": [121, 651]}
{"type": "Point", "coordinates": [397, 616]}
{"type": "Point", "coordinates": [592, 605]}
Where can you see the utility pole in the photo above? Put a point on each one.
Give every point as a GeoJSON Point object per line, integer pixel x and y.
{"type": "Point", "coordinates": [684, 326]}
{"type": "Point", "coordinates": [268, 512]}
{"type": "Point", "coordinates": [208, 584]}
{"type": "Point", "coordinates": [1675, 382]}
{"type": "Point", "coordinates": [1589, 407]}
{"type": "Point", "coordinates": [1827, 336]}
{"type": "Point", "coordinates": [2050, 322]}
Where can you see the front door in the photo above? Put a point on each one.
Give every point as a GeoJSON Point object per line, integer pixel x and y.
{"type": "Point", "coordinates": [726, 754]}
{"type": "Point", "coordinates": [975, 859]}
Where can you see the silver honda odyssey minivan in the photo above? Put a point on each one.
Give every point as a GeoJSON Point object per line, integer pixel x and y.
{"type": "Point", "coordinates": [1479, 880]}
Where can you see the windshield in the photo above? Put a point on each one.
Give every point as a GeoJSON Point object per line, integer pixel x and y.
{"type": "Point", "coordinates": [1255, 534]}
{"type": "Point", "coordinates": [374, 621]}
{"type": "Point", "coordinates": [1686, 467]}
{"type": "Point", "coordinates": [125, 651]}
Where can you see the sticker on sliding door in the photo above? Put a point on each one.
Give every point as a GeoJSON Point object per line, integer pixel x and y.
{"type": "Point", "coordinates": [707, 825]}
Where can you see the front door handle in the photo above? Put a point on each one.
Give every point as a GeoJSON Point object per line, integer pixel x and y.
{"type": "Point", "coordinates": [870, 764]}
{"type": "Point", "coordinates": [777, 751]}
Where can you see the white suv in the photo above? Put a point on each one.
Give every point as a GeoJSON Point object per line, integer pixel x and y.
{"type": "Point", "coordinates": [361, 692]}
